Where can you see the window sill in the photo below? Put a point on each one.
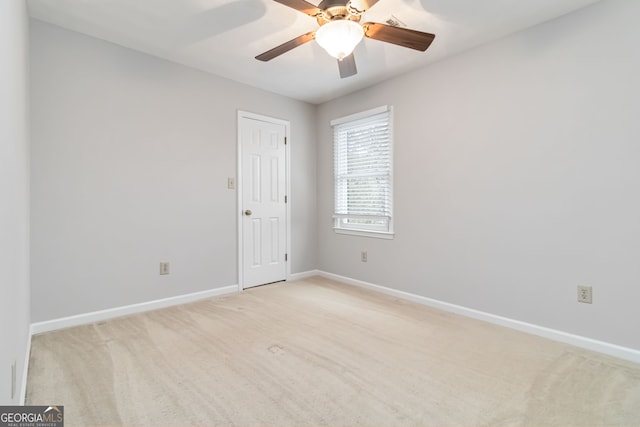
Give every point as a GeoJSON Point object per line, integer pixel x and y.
{"type": "Point", "coordinates": [374, 234]}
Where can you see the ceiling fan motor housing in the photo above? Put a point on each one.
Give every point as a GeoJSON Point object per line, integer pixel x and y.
{"type": "Point", "coordinates": [334, 10]}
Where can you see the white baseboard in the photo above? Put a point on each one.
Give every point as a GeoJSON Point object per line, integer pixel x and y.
{"type": "Point", "coordinates": [97, 316]}
{"type": "Point", "coordinates": [304, 275]}
{"type": "Point", "coordinates": [576, 340]}
{"type": "Point", "coordinates": [25, 369]}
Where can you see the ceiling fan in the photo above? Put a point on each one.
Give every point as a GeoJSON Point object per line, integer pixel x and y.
{"type": "Point", "coordinates": [340, 31]}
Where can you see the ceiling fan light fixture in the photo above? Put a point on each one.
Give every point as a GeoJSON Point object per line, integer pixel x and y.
{"type": "Point", "coordinates": [339, 37]}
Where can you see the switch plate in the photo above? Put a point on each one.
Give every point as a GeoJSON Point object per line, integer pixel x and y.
{"type": "Point", "coordinates": [231, 183]}
{"type": "Point", "coordinates": [363, 256]}
{"type": "Point", "coordinates": [164, 267]}
{"type": "Point", "coordinates": [585, 294]}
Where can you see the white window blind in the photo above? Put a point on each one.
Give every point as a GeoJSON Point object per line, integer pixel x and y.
{"type": "Point", "coordinates": [363, 171]}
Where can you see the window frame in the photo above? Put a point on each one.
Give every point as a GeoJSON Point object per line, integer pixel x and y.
{"type": "Point", "coordinates": [339, 220]}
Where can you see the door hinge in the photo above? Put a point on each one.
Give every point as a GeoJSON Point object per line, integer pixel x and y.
{"type": "Point", "coordinates": [285, 140]}
{"type": "Point", "coordinates": [286, 199]}
{"type": "Point", "coordinates": [286, 257]}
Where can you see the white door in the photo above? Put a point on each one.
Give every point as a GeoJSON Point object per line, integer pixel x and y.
{"type": "Point", "coordinates": [263, 205]}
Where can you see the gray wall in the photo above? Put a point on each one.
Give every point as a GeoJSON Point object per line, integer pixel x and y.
{"type": "Point", "coordinates": [14, 194]}
{"type": "Point", "coordinates": [516, 177]}
{"type": "Point", "coordinates": [130, 161]}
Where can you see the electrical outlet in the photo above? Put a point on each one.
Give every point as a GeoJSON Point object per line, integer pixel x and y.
{"type": "Point", "coordinates": [164, 267]}
{"type": "Point", "coordinates": [585, 294]}
{"type": "Point", "coordinates": [363, 256]}
{"type": "Point", "coordinates": [13, 379]}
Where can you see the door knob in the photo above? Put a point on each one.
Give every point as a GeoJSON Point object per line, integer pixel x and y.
{"type": "Point", "coordinates": [248, 212]}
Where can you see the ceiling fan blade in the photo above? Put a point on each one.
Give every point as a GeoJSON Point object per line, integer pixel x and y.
{"type": "Point", "coordinates": [286, 47]}
{"type": "Point", "coordinates": [358, 7]}
{"type": "Point", "coordinates": [347, 66]}
{"type": "Point", "coordinates": [401, 36]}
{"type": "Point", "coordinates": [302, 6]}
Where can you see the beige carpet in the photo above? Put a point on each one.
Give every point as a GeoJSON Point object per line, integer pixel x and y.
{"type": "Point", "coordinates": [319, 353]}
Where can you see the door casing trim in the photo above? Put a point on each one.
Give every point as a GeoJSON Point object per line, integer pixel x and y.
{"type": "Point", "coordinates": [287, 128]}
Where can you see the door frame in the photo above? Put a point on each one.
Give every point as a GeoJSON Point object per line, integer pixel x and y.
{"type": "Point", "coordinates": [239, 192]}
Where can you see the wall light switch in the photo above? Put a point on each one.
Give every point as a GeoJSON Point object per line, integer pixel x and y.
{"type": "Point", "coordinates": [231, 183]}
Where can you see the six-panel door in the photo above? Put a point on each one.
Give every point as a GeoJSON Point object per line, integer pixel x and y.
{"type": "Point", "coordinates": [263, 201]}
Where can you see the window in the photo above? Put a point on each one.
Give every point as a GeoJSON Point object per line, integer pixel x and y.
{"type": "Point", "coordinates": [363, 173]}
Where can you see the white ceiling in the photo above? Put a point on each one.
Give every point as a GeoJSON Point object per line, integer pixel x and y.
{"type": "Point", "coordinates": [223, 36]}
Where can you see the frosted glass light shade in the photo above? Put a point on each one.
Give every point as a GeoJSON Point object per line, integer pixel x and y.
{"type": "Point", "coordinates": [339, 38]}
